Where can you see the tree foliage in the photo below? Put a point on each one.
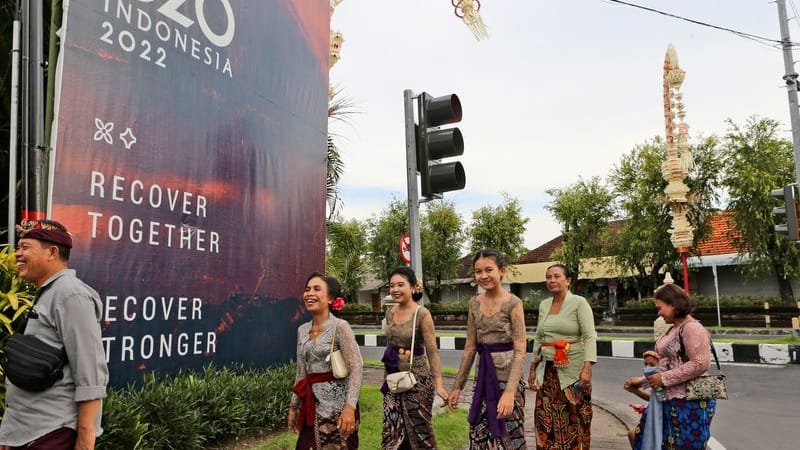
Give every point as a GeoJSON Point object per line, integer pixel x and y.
{"type": "Point", "coordinates": [499, 227]}
{"type": "Point", "coordinates": [346, 255]}
{"type": "Point", "coordinates": [385, 232]}
{"type": "Point", "coordinates": [442, 235]}
{"type": "Point", "coordinates": [758, 162]}
{"type": "Point", "coordinates": [583, 209]}
{"type": "Point", "coordinates": [641, 243]}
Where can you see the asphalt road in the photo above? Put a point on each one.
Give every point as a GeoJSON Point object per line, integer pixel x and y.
{"type": "Point", "coordinates": [763, 411]}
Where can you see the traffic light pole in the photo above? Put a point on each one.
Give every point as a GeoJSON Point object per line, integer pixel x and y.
{"type": "Point", "coordinates": [791, 84]}
{"type": "Point", "coordinates": [413, 191]}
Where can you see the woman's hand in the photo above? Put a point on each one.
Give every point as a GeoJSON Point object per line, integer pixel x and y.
{"type": "Point", "coordinates": [506, 405]}
{"type": "Point", "coordinates": [655, 380]}
{"type": "Point", "coordinates": [452, 399]}
{"type": "Point", "coordinates": [442, 392]}
{"type": "Point", "coordinates": [292, 421]}
{"type": "Point", "coordinates": [347, 421]}
{"type": "Point", "coordinates": [586, 376]}
{"type": "Point", "coordinates": [632, 384]}
{"type": "Point", "coordinates": [532, 378]}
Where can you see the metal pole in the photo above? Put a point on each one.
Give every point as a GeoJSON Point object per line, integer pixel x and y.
{"type": "Point", "coordinates": [685, 272]}
{"type": "Point", "coordinates": [413, 192]}
{"type": "Point", "coordinates": [25, 83]}
{"type": "Point", "coordinates": [12, 144]}
{"type": "Point", "coordinates": [36, 110]}
{"type": "Point", "coordinates": [791, 84]}
{"type": "Point", "coordinates": [716, 291]}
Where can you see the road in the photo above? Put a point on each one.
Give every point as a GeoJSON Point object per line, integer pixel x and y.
{"type": "Point", "coordinates": [763, 411]}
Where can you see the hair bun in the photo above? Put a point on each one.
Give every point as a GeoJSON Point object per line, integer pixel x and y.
{"type": "Point", "coordinates": [416, 296]}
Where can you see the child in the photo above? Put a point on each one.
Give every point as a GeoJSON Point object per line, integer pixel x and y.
{"type": "Point", "coordinates": [650, 367]}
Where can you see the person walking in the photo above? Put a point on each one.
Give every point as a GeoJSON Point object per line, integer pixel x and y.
{"type": "Point", "coordinates": [324, 409]}
{"type": "Point", "coordinates": [496, 332]}
{"type": "Point", "coordinates": [564, 350]}
{"type": "Point", "coordinates": [410, 333]}
{"type": "Point", "coordinates": [684, 354]}
{"type": "Point", "coordinates": [65, 413]}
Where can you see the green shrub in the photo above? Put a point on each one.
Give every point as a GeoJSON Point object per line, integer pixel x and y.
{"type": "Point", "coordinates": [16, 297]}
{"type": "Point", "coordinates": [122, 423]}
{"type": "Point", "coordinates": [357, 307]}
{"type": "Point", "coordinates": [728, 301]}
{"type": "Point", "coordinates": [192, 410]}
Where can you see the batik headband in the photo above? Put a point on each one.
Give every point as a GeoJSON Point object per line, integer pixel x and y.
{"type": "Point", "coordinates": [44, 230]}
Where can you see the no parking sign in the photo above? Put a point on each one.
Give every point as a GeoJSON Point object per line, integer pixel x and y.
{"type": "Point", "coordinates": [405, 248]}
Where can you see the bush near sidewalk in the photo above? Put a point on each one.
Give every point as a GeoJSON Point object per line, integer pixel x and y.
{"type": "Point", "coordinates": [191, 410]}
{"type": "Point", "coordinates": [16, 297]}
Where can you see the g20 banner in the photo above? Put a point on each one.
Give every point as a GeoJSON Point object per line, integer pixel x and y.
{"type": "Point", "coordinates": [190, 167]}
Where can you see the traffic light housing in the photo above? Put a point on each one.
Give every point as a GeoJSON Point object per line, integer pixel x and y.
{"type": "Point", "coordinates": [434, 144]}
{"type": "Point", "coordinates": [788, 212]}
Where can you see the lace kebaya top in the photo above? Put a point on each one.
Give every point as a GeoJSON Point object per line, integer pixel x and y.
{"type": "Point", "coordinates": [506, 325]}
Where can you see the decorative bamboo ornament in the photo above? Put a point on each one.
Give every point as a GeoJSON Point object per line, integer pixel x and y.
{"type": "Point", "coordinates": [469, 12]}
{"type": "Point", "coordinates": [679, 158]}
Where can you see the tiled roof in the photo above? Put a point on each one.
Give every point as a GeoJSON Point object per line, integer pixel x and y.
{"type": "Point", "coordinates": [720, 241]}
{"type": "Point", "coordinates": [542, 253]}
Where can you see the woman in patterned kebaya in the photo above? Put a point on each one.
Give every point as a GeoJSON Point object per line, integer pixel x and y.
{"type": "Point", "coordinates": [495, 331]}
{"type": "Point", "coordinates": [407, 415]}
{"type": "Point", "coordinates": [324, 409]}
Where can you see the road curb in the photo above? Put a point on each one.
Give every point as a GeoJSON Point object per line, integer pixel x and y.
{"type": "Point", "coordinates": [771, 354]}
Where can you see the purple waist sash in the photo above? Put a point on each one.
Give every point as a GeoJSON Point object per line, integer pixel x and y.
{"type": "Point", "coordinates": [391, 362]}
{"type": "Point", "coordinates": [487, 389]}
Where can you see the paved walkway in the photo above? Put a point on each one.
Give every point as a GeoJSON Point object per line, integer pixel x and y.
{"type": "Point", "coordinates": [608, 432]}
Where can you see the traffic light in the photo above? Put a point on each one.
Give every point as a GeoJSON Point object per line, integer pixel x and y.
{"type": "Point", "coordinates": [434, 144]}
{"type": "Point", "coordinates": [788, 212]}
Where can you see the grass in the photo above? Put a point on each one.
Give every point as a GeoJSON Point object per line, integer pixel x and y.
{"type": "Point", "coordinates": [451, 428]}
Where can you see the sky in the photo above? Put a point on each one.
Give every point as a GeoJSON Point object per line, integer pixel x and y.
{"type": "Point", "coordinates": [560, 90]}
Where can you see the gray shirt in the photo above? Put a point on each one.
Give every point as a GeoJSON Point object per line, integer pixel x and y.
{"type": "Point", "coordinates": [69, 314]}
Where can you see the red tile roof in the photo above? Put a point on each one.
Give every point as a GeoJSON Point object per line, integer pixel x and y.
{"type": "Point", "coordinates": [720, 242]}
{"type": "Point", "coordinates": [543, 253]}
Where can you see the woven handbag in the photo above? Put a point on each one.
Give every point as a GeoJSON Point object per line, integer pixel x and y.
{"type": "Point", "coordinates": [705, 387]}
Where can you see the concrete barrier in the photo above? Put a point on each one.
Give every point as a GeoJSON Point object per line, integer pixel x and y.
{"type": "Point", "coordinates": [774, 354]}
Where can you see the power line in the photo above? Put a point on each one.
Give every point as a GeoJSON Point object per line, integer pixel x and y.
{"type": "Point", "coordinates": [754, 37]}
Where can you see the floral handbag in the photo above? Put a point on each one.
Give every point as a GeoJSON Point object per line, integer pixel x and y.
{"type": "Point", "coordinates": [705, 387]}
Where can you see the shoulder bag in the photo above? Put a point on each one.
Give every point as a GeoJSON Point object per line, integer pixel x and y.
{"type": "Point", "coordinates": [404, 380]}
{"type": "Point", "coordinates": [704, 387]}
{"type": "Point", "coordinates": [338, 364]}
{"type": "Point", "coordinates": [29, 362]}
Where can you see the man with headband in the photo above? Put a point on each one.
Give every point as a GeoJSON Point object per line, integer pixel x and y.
{"type": "Point", "coordinates": [66, 314]}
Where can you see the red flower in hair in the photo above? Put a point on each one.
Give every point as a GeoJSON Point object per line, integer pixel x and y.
{"type": "Point", "coordinates": [337, 304]}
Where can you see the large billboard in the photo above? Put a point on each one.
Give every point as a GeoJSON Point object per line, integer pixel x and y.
{"type": "Point", "coordinates": [189, 166]}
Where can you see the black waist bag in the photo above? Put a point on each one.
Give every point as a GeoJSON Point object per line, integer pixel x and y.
{"type": "Point", "coordinates": [32, 364]}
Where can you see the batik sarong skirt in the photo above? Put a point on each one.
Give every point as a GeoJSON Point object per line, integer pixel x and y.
{"type": "Point", "coordinates": [407, 417]}
{"type": "Point", "coordinates": [563, 420]}
{"type": "Point", "coordinates": [479, 438]}
{"type": "Point", "coordinates": [686, 424]}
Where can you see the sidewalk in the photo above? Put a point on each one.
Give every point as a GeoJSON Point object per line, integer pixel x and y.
{"type": "Point", "coordinates": [608, 431]}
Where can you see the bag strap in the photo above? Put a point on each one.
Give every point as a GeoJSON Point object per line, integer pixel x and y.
{"type": "Point", "coordinates": [682, 355]}
{"type": "Point", "coordinates": [20, 325]}
{"type": "Point", "coordinates": [333, 339]}
{"type": "Point", "coordinates": [413, 336]}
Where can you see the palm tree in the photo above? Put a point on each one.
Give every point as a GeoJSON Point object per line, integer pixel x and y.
{"type": "Point", "coordinates": [339, 108]}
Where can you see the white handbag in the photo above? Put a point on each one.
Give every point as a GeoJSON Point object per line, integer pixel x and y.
{"type": "Point", "coordinates": [405, 380]}
{"type": "Point", "coordinates": [338, 365]}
